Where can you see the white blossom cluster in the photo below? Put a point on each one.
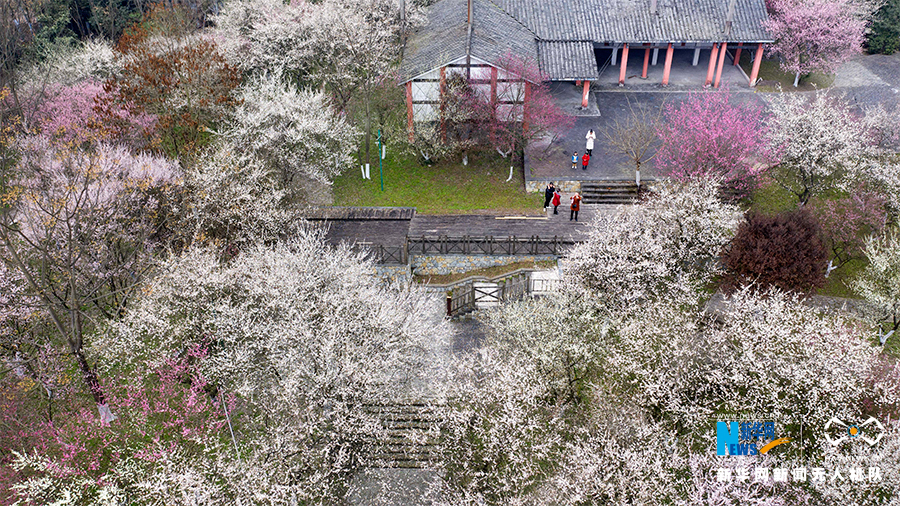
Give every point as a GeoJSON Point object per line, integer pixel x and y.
{"type": "Point", "coordinates": [656, 250]}
{"type": "Point", "coordinates": [295, 132]}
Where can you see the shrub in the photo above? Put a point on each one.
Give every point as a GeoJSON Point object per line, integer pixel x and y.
{"type": "Point", "coordinates": [884, 36]}
{"type": "Point", "coordinates": [784, 251]}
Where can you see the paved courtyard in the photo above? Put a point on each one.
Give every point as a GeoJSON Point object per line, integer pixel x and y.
{"type": "Point", "coordinates": [865, 81]}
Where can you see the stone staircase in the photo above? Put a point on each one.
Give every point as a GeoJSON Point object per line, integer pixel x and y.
{"type": "Point", "coordinates": [609, 192]}
{"type": "Point", "coordinates": [413, 435]}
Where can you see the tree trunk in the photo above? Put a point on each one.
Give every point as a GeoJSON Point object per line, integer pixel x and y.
{"type": "Point", "coordinates": [368, 121]}
{"type": "Point", "coordinates": [796, 79]}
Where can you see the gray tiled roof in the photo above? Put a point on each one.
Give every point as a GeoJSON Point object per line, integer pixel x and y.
{"type": "Point", "coordinates": [561, 33]}
{"type": "Point", "coordinates": [568, 61]}
{"type": "Point", "coordinates": [630, 20]}
{"type": "Point", "coordinates": [443, 39]}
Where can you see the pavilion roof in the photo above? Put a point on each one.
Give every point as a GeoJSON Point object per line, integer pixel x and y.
{"type": "Point", "coordinates": [560, 34]}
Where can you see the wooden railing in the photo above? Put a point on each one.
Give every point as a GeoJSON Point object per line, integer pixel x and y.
{"type": "Point", "coordinates": [466, 294]}
{"type": "Point", "coordinates": [381, 254]}
{"type": "Point", "coordinates": [467, 245]}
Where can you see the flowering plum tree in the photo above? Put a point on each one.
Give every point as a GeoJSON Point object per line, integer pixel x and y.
{"type": "Point", "coordinates": [879, 282]}
{"type": "Point", "coordinates": [848, 221]}
{"type": "Point", "coordinates": [259, 35]}
{"type": "Point", "coordinates": [816, 141]}
{"type": "Point", "coordinates": [231, 201]}
{"type": "Point", "coordinates": [815, 35]}
{"type": "Point", "coordinates": [77, 229]}
{"type": "Point", "coordinates": [306, 338]}
{"type": "Point", "coordinates": [659, 249]}
{"type": "Point", "coordinates": [709, 135]}
{"type": "Point", "coordinates": [294, 132]}
{"type": "Point", "coordinates": [510, 127]}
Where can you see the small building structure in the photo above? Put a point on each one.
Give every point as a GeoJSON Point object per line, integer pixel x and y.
{"type": "Point", "coordinates": [574, 40]}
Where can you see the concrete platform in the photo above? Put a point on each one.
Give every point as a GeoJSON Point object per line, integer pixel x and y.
{"type": "Point", "coordinates": [550, 159]}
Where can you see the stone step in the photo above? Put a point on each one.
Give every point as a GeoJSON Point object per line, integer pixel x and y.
{"type": "Point", "coordinates": [412, 439]}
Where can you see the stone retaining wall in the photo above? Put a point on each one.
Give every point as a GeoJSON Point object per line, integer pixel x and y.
{"type": "Point", "coordinates": [392, 274]}
{"type": "Point", "coordinates": [564, 186]}
{"type": "Point", "coordinates": [424, 265]}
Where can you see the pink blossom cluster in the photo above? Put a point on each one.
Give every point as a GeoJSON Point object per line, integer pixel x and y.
{"type": "Point", "coordinates": [814, 35]}
{"type": "Point", "coordinates": [85, 112]}
{"type": "Point", "coordinates": [709, 136]}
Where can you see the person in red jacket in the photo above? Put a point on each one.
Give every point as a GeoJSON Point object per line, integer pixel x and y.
{"type": "Point", "coordinates": [576, 205]}
{"type": "Point", "coordinates": [584, 161]}
{"type": "Point", "coordinates": [556, 198]}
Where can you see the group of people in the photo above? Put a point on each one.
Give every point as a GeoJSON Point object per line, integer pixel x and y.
{"type": "Point", "coordinates": [554, 197]}
{"type": "Point", "coordinates": [588, 151]}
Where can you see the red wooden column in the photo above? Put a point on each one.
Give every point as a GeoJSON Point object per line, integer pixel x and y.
{"type": "Point", "coordinates": [722, 51]}
{"type": "Point", "coordinates": [493, 85]}
{"type": "Point", "coordinates": [584, 94]}
{"type": "Point", "coordinates": [525, 105]}
{"type": "Point", "coordinates": [756, 61]}
{"type": "Point", "coordinates": [712, 64]}
{"type": "Point", "coordinates": [624, 65]}
{"type": "Point", "coordinates": [410, 126]}
{"type": "Point", "coordinates": [668, 67]}
{"type": "Point", "coordinates": [646, 62]}
{"type": "Point", "coordinates": [737, 53]}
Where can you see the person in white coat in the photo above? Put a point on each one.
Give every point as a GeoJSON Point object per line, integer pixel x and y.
{"type": "Point", "coordinates": [589, 147]}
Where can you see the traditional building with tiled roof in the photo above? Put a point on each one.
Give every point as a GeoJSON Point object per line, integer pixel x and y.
{"type": "Point", "coordinates": [573, 40]}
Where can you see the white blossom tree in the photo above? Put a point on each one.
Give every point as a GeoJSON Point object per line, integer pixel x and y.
{"type": "Point", "coordinates": [817, 142]}
{"type": "Point", "coordinates": [259, 35]}
{"type": "Point", "coordinates": [296, 133]}
{"type": "Point", "coordinates": [879, 282]}
{"type": "Point", "coordinates": [660, 248]}
{"type": "Point", "coordinates": [306, 338]}
{"type": "Point", "coordinates": [232, 200]}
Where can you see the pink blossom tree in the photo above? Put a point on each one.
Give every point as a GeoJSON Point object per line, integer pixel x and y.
{"type": "Point", "coordinates": [84, 112]}
{"type": "Point", "coordinates": [848, 221]}
{"type": "Point", "coordinates": [520, 110]}
{"type": "Point", "coordinates": [708, 135]}
{"type": "Point", "coordinates": [78, 229]}
{"type": "Point", "coordinates": [815, 35]}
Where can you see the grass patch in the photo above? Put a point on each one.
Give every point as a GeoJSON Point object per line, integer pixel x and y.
{"type": "Point", "coordinates": [838, 282]}
{"type": "Point", "coordinates": [489, 272]}
{"type": "Point", "coordinates": [446, 187]}
{"type": "Point", "coordinates": [772, 198]}
{"type": "Point", "coordinates": [772, 75]}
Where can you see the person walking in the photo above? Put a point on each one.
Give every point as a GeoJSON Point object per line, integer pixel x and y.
{"type": "Point", "coordinates": [548, 194]}
{"type": "Point", "coordinates": [589, 148]}
{"type": "Point", "coordinates": [585, 160]}
{"type": "Point", "coordinates": [576, 205]}
{"type": "Point", "coordinates": [574, 159]}
{"type": "Point", "coordinates": [556, 199]}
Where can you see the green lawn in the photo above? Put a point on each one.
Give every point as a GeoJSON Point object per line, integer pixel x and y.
{"type": "Point", "coordinates": [770, 71]}
{"type": "Point", "coordinates": [447, 187]}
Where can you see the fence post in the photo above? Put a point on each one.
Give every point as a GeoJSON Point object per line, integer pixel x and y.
{"type": "Point", "coordinates": [449, 304]}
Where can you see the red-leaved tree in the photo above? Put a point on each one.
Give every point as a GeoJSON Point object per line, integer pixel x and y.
{"type": "Point", "coordinates": [709, 136]}
{"type": "Point", "coordinates": [814, 35]}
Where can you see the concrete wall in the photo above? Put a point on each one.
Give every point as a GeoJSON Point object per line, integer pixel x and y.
{"type": "Point", "coordinates": [564, 186]}
{"type": "Point", "coordinates": [452, 264]}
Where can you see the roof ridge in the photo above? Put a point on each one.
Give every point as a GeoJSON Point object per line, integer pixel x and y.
{"type": "Point", "coordinates": [501, 9]}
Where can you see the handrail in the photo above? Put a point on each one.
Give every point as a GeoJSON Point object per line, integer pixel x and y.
{"type": "Point", "coordinates": [483, 278]}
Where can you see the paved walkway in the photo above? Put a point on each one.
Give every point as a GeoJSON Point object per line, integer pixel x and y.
{"type": "Point", "coordinates": [865, 81]}
{"type": "Point", "coordinates": [392, 232]}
